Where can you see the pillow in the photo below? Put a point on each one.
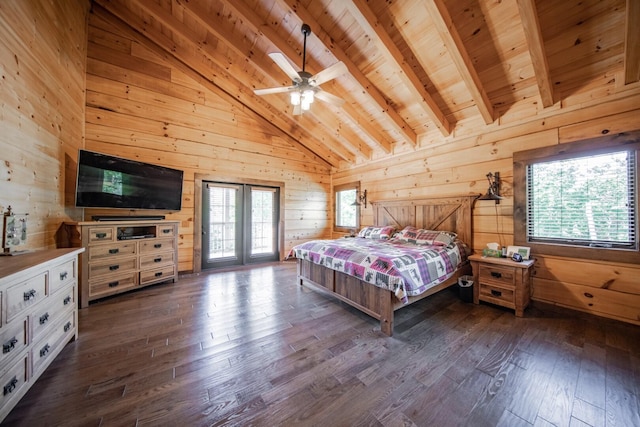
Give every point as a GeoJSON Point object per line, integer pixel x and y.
{"type": "Point", "coordinates": [373, 232]}
{"type": "Point", "coordinates": [421, 236]}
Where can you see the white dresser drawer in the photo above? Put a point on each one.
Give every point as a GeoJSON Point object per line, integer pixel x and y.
{"type": "Point", "coordinates": [26, 294]}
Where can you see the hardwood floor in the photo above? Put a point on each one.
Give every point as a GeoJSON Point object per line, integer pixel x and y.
{"type": "Point", "coordinates": [251, 347]}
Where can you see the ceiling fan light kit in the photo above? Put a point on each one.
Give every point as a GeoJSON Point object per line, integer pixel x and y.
{"type": "Point", "coordinates": [305, 87]}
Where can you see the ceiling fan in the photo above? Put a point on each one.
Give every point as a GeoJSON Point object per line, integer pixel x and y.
{"type": "Point", "coordinates": [305, 86]}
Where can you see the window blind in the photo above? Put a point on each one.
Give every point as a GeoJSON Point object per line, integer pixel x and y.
{"type": "Point", "coordinates": [584, 201]}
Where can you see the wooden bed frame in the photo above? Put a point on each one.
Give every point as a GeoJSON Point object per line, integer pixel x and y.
{"type": "Point", "coordinates": [447, 214]}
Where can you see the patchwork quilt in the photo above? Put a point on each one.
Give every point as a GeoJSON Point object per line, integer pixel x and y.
{"type": "Point", "coordinates": [405, 268]}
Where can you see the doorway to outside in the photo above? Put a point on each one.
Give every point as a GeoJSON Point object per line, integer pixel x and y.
{"type": "Point", "coordinates": [240, 224]}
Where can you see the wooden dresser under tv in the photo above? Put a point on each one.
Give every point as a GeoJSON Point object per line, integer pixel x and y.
{"type": "Point", "coordinates": [122, 255]}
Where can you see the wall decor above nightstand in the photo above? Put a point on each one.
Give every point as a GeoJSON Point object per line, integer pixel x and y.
{"type": "Point", "coordinates": [502, 281]}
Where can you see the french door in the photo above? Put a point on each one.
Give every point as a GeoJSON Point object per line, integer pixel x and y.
{"type": "Point", "coordinates": [239, 224]}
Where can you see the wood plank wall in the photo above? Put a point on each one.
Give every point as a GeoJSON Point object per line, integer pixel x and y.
{"type": "Point", "coordinates": [140, 105]}
{"type": "Point", "coordinates": [144, 107]}
{"type": "Point", "coordinates": [459, 166]}
{"type": "Point", "coordinates": [42, 62]}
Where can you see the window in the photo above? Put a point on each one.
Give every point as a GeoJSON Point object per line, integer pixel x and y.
{"type": "Point", "coordinates": [347, 214]}
{"type": "Point", "coordinates": [579, 199]}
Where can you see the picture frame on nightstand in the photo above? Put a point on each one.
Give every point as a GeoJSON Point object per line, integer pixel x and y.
{"type": "Point", "coordinates": [524, 251]}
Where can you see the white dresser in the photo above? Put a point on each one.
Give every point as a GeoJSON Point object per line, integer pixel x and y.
{"type": "Point", "coordinates": [38, 316]}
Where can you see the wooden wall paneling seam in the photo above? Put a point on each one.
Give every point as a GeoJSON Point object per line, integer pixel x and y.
{"type": "Point", "coordinates": [218, 85]}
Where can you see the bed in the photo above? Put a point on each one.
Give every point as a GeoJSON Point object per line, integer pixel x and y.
{"type": "Point", "coordinates": [448, 214]}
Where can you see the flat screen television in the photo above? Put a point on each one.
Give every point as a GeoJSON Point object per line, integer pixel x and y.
{"type": "Point", "coordinates": [105, 181]}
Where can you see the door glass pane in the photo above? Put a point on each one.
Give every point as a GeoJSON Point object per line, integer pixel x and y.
{"type": "Point", "coordinates": [262, 220]}
{"type": "Point", "coordinates": [222, 222]}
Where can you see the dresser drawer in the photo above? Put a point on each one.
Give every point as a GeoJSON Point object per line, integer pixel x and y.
{"type": "Point", "coordinates": [12, 380]}
{"type": "Point", "coordinates": [156, 260]}
{"type": "Point", "coordinates": [166, 231]}
{"type": "Point", "coordinates": [497, 274]}
{"type": "Point", "coordinates": [101, 234]}
{"type": "Point", "coordinates": [57, 307]}
{"type": "Point", "coordinates": [156, 245]}
{"type": "Point", "coordinates": [99, 252]}
{"type": "Point", "coordinates": [45, 349]}
{"type": "Point", "coordinates": [163, 273]}
{"type": "Point", "coordinates": [113, 284]}
{"type": "Point", "coordinates": [13, 338]}
{"type": "Point", "coordinates": [62, 274]}
{"type": "Point", "coordinates": [25, 294]}
{"type": "Point", "coordinates": [109, 267]}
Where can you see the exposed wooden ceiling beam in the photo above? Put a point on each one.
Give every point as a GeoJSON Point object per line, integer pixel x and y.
{"type": "Point", "coordinates": [197, 12]}
{"type": "Point", "coordinates": [368, 20]}
{"type": "Point", "coordinates": [258, 25]}
{"type": "Point", "coordinates": [217, 78]}
{"type": "Point", "coordinates": [632, 43]}
{"type": "Point", "coordinates": [453, 42]}
{"type": "Point", "coordinates": [398, 122]}
{"type": "Point", "coordinates": [533, 34]}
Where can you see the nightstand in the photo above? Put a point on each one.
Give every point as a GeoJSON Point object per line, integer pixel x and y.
{"type": "Point", "coordinates": [502, 281]}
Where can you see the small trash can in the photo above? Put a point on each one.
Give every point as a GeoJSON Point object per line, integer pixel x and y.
{"type": "Point", "coordinates": [465, 288]}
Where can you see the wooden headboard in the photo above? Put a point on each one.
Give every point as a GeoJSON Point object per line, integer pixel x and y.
{"type": "Point", "coordinates": [441, 213]}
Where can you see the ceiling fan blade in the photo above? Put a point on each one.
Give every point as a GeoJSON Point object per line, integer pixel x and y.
{"type": "Point", "coordinates": [270, 90]}
{"type": "Point", "coordinates": [284, 64]}
{"type": "Point", "coordinates": [329, 98]}
{"type": "Point", "coordinates": [327, 74]}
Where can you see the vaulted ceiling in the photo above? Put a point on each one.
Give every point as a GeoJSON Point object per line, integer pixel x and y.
{"type": "Point", "coordinates": [415, 68]}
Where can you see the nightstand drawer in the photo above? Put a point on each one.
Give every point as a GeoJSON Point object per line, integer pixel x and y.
{"type": "Point", "coordinates": [503, 296]}
{"type": "Point", "coordinates": [497, 274]}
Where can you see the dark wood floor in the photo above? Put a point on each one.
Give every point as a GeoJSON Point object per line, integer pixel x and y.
{"type": "Point", "coordinates": [251, 347]}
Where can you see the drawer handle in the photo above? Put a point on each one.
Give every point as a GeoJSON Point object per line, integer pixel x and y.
{"type": "Point", "coordinates": [67, 300]}
{"type": "Point", "coordinates": [44, 350]}
{"type": "Point", "coordinates": [63, 275]}
{"type": "Point", "coordinates": [496, 274]}
{"type": "Point", "coordinates": [157, 245]}
{"type": "Point", "coordinates": [157, 260]}
{"type": "Point", "coordinates": [166, 231]}
{"type": "Point", "coordinates": [29, 294]}
{"type": "Point", "coordinates": [114, 284]}
{"type": "Point", "coordinates": [496, 293]}
{"type": "Point", "coordinates": [67, 327]}
{"type": "Point", "coordinates": [101, 235]}
{"type": "Point", "coordinates": [11, 385]}
{"type": "Point", "coordinates": [159, 273]}
{"type": "Point", "coordinates": [114, 251]}
{"type": "Point", "coordinates": [44, 318]}
{"type": "Point", "coordinates": [114, 267]}
{"type": "Point", "coordinates": [9, 345]}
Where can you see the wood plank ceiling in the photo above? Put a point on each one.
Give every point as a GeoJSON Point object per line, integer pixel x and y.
{"type": "Point", "coordinates": [415, 67]}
